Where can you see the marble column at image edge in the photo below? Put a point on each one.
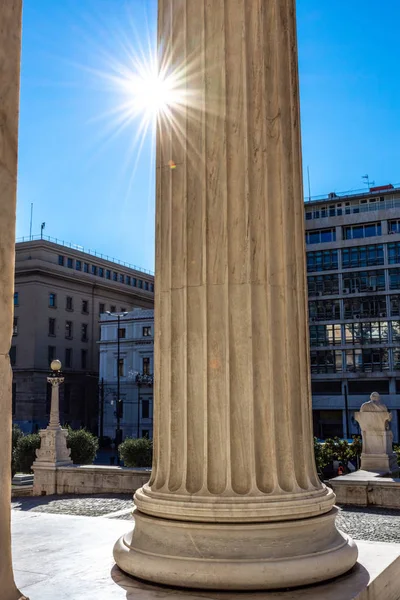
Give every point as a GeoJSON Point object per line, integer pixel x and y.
{"type": "Point", "coordinates": [233, 434]}
{"type": "Point", "coordinates": [10, 49]}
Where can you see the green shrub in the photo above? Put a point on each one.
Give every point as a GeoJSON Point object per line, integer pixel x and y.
{"type": "Point", "coordinates": [16, 435]}
{"type": "Point", "coordinates": [84, 446]}
{"type": "Point", "coordinates": [25, 452]}
{"type": "Point", "coordinates": [136, 452]}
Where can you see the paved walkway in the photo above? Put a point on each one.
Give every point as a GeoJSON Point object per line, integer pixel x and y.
{"type": "Point", "coordinates": [69, 557]}
{"type": "Point", "coordinates": [372, 524]}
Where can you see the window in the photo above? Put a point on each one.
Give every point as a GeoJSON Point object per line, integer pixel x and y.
{"type": "Point", "coordinates": [319, 236]}
{"type": "Point", "coordinates": [323, 285]}
{"type": "Point", "coordinates": [364, 387]}
{"type": "Point", "coordinates": [123, 309]}
{"type": "Point", "coordinates": [367, 360]}
{"type": "Point", "coordinates": [121, 279]}
{"type": "Point", "coordinates": [78, 265]}
{"type": "Point", "coordinates": [134, 281]}
{"type": "Point", "coordinates": [394, 279]}
{"type": "Point", "coordinates": [325, 335]}
{"type": "Point", "coordinates": [13, 355]}
{"type": "Point", "coordinates": [83, 359]}
{"type": "Point", "coordinates": [152, 287]}
{"type": "Point", "coordinates": [146, 365]}
{"type": "Point", "coordinates": [326, 361]}
{"type": "Point", "coordinates": [354, 232]}
{"type": "Point", "coordinates": [108, 274]}
{"type": "Point", "coordinates": [122, 332]}
{"type": "Point", "coordinates": [394, 226]}
{"type": "Point", "coordinates": [15, 326]}
{"type": "Point", "coordinates": [52, 327]}
{"type": "Point", "coordinates": [395, 331]}
{"type": "Point", "coordinates": [115, 276]}
{"type": "Point", "coordinates": [102, 308]}
{"type": "Point", "coordinates": [394, 253]}
{"type": "Point", "coordinates": [364, 281]}
{"type": "Point", "coordinates": [68, 358]}
{"type": "Point", "coordinates": [101, 272]}
{"type": "Point", "coordinates": [67, 398]}
{"type": "Point", "coordinates": [139, 283]}
{"type": "Point", "coordinates": [14, 398]}
{"type": "Point", "coordinates": [146, 331]}
{"type": "Point", "coordinates": [48, 398]}
{"type": "Point", "coordinates": [60, 260]}
{"type": "Point", "coordinates": [120, 366]}
{"type": "Point", "coordinates": [128, 280]}
{"type": "Point", "coordinates": [68, 330]}
{"type": "Point", "coordinates": [51, 353]}
{"type": "Point", "coordinates": [69, 304]}
{"type": "Point", "coordinates": [112, 309]}
{"type": "Point", "coordinates": [16, 299]}
{"type": "Point", "coordinates": [70, 263]}
{"type": "Point", "coordinates": [326, 388]}
{"type": "Point", "coordinates": [146, 285]}
{"type": "Point", "coordinates": [84, 332]}
{"type": "Point", "coordinates": [52, 300]}
{"type": "Point", "coordinates": [86, 267]}
{"type": "Point", "coordinates": [362, 256]}
{"type": "Point", "coordinates": [395, 306]}
{"type": "Point", "coordinates": [324, 310]}
{"type": "Point", "coordinates": [364, 307]}
{"type": "Point", "coordinates": [145, 433]}
{"type": "Point", "coordinates": [145, 409]}
{"type": "Point", "coordinates": [323, 260]}
{"type": "Point", "coordinates": [94, 270]}
{"type": "Point", "coordinates": [85, 307]}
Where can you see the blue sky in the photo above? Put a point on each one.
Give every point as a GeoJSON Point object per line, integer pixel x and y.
{"type": "Point", "coordinates": [78, 168]}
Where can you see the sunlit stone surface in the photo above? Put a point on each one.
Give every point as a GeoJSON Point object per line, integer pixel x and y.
{"type": "Point", "coordinates": [10, 46]}
{"type": "Point", "coordinates": [234, 501]}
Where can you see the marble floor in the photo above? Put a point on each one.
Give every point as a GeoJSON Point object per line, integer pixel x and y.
{"type": "Point", "coordinates": [68, 557]}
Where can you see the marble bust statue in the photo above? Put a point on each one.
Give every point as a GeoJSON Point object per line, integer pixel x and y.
{"type": "Point", "coordinates": [374, 404]}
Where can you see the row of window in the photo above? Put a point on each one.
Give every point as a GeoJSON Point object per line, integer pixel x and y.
{"type": "Point", "coordinates": [353, 308]}
{"type": "Point", "coordinates": [51, 355]}
{"type": "Point", "coordinates": [366, 333]}
{"type": "Point", "coordinates": [69, 328]}
{"type": "Point", "coordinates": [69, 304]}
{"type": "Point", "coordinates": [355, 360]}
{"type": "Point", "coordinates": [347, 208]}
{"type": "Point", "coordinates": [79, 265]}
{"type": "Point", "coordinates": [350, 232]}
{"type": "Point", "coordinates": [146, 332]}
{"type": "Point", "coordinates": [356, 257]}
{"type": "Point", "coordinates": [353, 283]}
{"type": "Point", "coordinates": [145, 366]}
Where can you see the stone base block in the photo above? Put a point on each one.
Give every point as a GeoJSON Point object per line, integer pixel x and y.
{"type": "Point", "coordinates": [251, 556]}
{"type": "Point", "coordinates": [383, 463]}
{"type": "Point", "coordinates": [366, 488]}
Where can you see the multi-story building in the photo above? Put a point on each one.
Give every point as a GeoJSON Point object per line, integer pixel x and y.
{"type": "Point", "coordinates": [126, 353]}
{"type": "Point", "coordinates": [353, 269]}
{"type": "Point", "coordinates": [60, 292]}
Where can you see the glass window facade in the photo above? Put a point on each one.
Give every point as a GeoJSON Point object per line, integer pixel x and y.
{"type": "Point", "coordinates": [326, 361]}
{"type": "Point", "coordinates": [354, 232]}
{"type": "Point", "coordinates": [394, 253]}
{"type": "Point", "coordinates": [324, 310]}
{"type": "Point", "coordinates": [319, 236]}
{"type": "Point", "coordinates": [322, 260]}
{"type": "Point", "coordinates": [323, 285]}
{"type": "Point", "coordinates": [325, 335]}
{"type": "Point", "coordinates": [368, 306]}
{"type": "Point", "coordinates": [362, 256]}
{"type": "Point", "coordinates": [364, 281]}
{"type": "Point", "coordinates": [367, 359]}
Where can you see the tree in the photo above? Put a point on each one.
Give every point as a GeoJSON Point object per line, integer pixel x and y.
{"type": "Point", "coordinates": [136, 452]}
{"type": "Point", "coordinates": [83, 445]}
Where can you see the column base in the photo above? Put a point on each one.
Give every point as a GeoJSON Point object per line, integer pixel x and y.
{"type": "Point", "coordinates": [256, 556]}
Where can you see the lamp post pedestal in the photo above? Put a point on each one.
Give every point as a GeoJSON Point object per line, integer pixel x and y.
{"type": "Point", "coordinates": [53, 451]}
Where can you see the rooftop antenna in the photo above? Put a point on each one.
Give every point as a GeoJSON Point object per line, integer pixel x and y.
{"type": "Point", "coordinates": [30, 227]}
{"type": "Point", "coordinates": [309, 185]}
{"type": "Point", "coordinates": [367, 182]}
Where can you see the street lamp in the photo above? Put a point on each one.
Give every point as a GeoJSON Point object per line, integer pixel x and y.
{"type": "Point", "coordinates": [118, 436]}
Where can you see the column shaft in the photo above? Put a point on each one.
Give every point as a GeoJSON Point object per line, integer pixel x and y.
{"type": "Point", "coordinates": [10, 45]}
{"type": "Point", "coordinates": [233, 408]}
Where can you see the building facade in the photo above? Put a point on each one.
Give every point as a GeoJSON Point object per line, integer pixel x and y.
{"type": "Point", "coordinates": [60, 292]}
{"type": "Point", "coordinates": [353, 268]}
{"type": "Point", "coordinates": [126, 353]}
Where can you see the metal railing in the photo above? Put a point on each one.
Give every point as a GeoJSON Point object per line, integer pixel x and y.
{"type": "Point", "coordinates": [335, 196]}
{"type": "Point", "coordinates": [84, 250]}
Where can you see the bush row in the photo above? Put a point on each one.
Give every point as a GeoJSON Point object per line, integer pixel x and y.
{"type": "Point", "coordinates": [83, 444]}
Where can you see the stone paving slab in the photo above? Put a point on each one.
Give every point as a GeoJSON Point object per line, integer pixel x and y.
{"type": "Point", "coordinates": [89, 506]}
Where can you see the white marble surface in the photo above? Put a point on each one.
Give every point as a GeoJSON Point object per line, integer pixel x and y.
{"type": "Point", "coordinates": [70, 558]}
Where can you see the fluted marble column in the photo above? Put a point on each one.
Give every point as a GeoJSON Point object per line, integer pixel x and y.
{"type": "Point", "coordinates": [10, 47]}
{"type": "Point", "coordinates": [234, 500]}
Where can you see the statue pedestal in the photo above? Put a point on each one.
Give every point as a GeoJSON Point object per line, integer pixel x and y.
{"type": "Point", "coordinates": [377, 454]}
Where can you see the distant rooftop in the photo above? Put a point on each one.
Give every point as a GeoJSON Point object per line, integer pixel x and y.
{"type": "Point", "coordinates": [361, 193]}
{"type": "Point", "coordinates": [46, 238]}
